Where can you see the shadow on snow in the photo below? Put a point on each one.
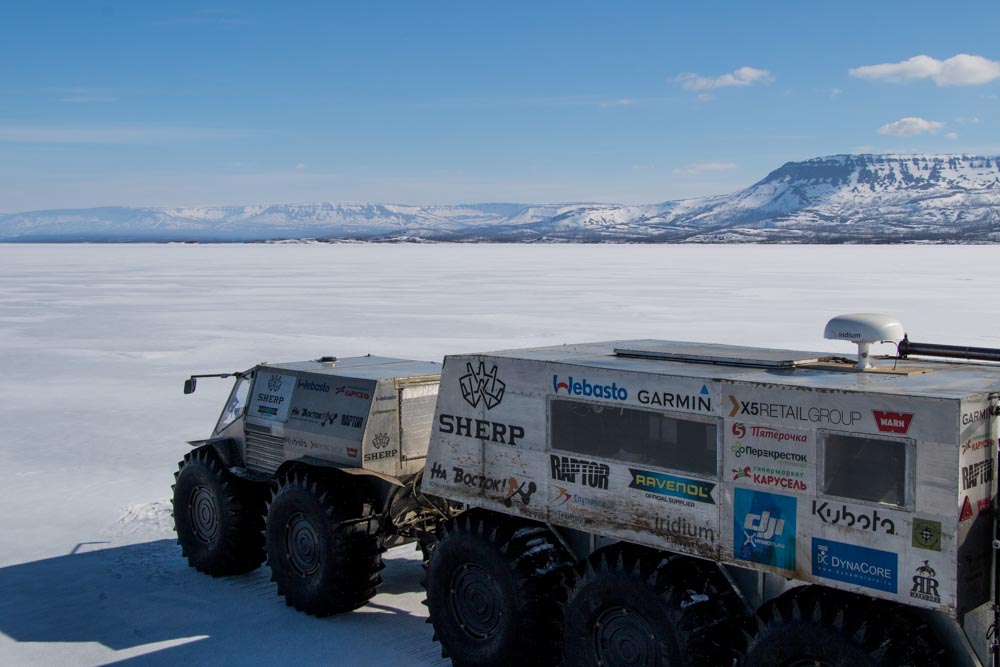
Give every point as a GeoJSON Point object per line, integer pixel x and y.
{"type": "Point", "coordinates": [131, 596]}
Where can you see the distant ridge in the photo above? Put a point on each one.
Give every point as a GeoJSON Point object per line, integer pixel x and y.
{"type": "Point", "coordinates": [835, 199]}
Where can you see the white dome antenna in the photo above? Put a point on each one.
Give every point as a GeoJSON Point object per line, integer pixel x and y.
{"type": "Point", "coordinates": [864, 329]}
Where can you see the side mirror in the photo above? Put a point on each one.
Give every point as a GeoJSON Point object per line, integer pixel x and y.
{"type": "Point", "coordinates": [189, 385]}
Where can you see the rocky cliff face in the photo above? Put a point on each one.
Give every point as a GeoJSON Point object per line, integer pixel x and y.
{"type": "Point", "coordinates": [836, 199]}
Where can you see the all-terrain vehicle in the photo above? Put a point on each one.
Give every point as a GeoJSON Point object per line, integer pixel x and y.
{"type": "Point", "coordinates": [660, 503]}
{"type": "Point", "coordinates": [314, 466]}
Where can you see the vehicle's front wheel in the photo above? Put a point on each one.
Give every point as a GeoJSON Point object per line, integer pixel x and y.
{"type": "Point", "coordinates": [324, 549]}
{"type": "Point", "coordinates": [218, 517]}
{"type": "Point", "coordinates": [491, 592]}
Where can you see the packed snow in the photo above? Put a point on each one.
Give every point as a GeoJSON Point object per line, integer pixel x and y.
{"type": "Point", "coordinates": [97, 340]}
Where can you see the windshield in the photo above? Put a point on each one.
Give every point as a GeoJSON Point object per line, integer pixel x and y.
{"type": "Point", "coordinates": [236, 404]}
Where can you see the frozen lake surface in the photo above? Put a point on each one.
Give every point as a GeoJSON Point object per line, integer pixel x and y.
{"type": "Point", "coordinates": [97, 340]}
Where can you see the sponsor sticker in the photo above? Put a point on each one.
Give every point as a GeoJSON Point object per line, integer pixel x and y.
{"type": "Point", "coordinates": [309, 385]}
{"type": "Point", "coordinates": [381, 454]}
{"type": "Point", "coordinates": [980, 415]}
{"type": "Point", "coordinates": [480, 429]}
{"type": "Point", "coordinates": [583, 387]}
{"type": "Point", "coordinates": [680, 527]}
{"type": "Point", "coordinates": [966, 512]}
{"type": "Point", "coordinates": [324, 419]}
{"type": "Point", "coordinates": [580, 471]}
{"type": "Point", "coordinates": [767, 433]}
{"type": "Point", "coordinates": [926, 534]}
{"type": "Point", "coordinates": [351, 421]}
{"type": "Point", "coordinates": [511, 489]}
{"type": "Point", "coordinates": [519, 490]}
{"type": "Point", "coordinates": [354, 392]}
{"type": "Point", "coordinates": [701, 402]}
{"type": "Point", "coordinates": [670, 485]}
{"type": "Point", "coordinates": [852, 564]}
{"type": "Point", "coordinates": [764, 528]}
{"type": "Point", "coordinates": [791, 458]}
{"type": "Point", "coordinates": [839, 514]}
{"type": "Point", "coordinates": [925, 584]}
{"type": "Point", "coordinates": [798, 413]}
{"type": "Point", "coordinates": [272, 395]}
{"type": "Point", "coordinates": [560, 495]}
{"type": "Point", "coordinates": [974, 474]}
{"type": "Point", "coordinates": [892, 422]}
{"type": "Point", "coordinates": [979, 443]}
{"type": "Point", "coordinates": [479, 386]}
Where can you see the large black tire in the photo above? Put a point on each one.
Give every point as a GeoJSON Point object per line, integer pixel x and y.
{"type": "Point", "coordinates": [324, 547]}
{"type": "Point", "coordinates": [218, 517]}
{"type": "Point", "coordinates": [492, 588]}
{"type": "Point", "coordinates": [632, 607]}
{"type": "Point", "coordinates": [819, 627]}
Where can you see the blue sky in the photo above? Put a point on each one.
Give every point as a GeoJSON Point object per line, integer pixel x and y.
{"type": "Point", "coordinates": [183, 103]}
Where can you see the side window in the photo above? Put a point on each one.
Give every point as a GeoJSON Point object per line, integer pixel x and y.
{"type": "Point", "coordinates": [236, 405]}
{"type": "Point", "coordinates": [866, 468]}
{"type": "Point", "coordinates": [634, 436]}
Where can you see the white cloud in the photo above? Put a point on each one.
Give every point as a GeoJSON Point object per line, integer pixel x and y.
{"type": "Point", "coordinates": [701, 167]}
{"type": "Point", "coordinates": [82, 95]}
{"type": "Point", "coordinates": [706, 97]}
{"type": "Point", "coordinates": [300, 167]}
{"type": "Point", "coordinates": [624, 102]}
{"type": "Point", "coordinates": [744, 76]}
{"type": "Point", "coordinates": [835, 92]}
{"type": "Point", "coordinates": [111, 134]}
{"type": "Point", "coordinates": [959, 70]}
{"type": "Point", "coordinates": [952, 135]}
{"type": "Point", "coordinates": [88, 99]}
{"type": "Point", "coordinates": [910, 126]}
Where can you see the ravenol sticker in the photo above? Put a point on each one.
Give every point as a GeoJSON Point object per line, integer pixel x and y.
{"type": "Point", "coordinates": [871, 568]}
{"type": "Point", "coordinates": [764, 528]}
{"type": "Point", "coordinates": [669, 485]}
{"type": "Point", "coordinates": [926, 534]}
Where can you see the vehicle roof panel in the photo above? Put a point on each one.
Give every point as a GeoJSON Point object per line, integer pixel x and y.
{"type": "Point", "coordinates": [912, 377]}
{"type": "Point", "coordinates": [365, 368]}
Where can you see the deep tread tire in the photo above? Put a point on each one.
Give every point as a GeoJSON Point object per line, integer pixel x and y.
{"type": "Point", "coordinates": [492, 591]}
{"type": "Point", "coordinates": [820, 627]}
{"type": "Point", "coordinates": [218, 517]}
{"type": "Point", "coordinates": [632, 607]}
{"type": "Point", "coordinates": [324, 549]}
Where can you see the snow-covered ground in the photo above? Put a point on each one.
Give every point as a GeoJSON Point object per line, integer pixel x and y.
{"type": "Point", "coordinates": [95, 342]}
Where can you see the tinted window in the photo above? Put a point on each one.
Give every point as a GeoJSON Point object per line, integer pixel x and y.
{"type": "Point", "coordinates": [236, 404]}
{"type": "Point", "coordinates": [865, 468]}
{"type": "Point", "coordinates": [634, 436]}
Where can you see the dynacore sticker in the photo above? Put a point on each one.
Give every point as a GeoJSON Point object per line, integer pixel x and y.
{"type": "Point", "coordinates": [871, 568]}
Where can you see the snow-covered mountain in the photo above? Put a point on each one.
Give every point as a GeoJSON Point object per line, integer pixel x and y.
{"type": "Point", "coordinates": [837, 199]}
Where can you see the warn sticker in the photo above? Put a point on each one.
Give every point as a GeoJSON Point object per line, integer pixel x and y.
{"type": "Point", "coordinates": [892, 422]}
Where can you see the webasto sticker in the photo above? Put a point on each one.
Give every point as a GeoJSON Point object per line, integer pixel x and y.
{"type": "Point", "coordinates": [582, 387]}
